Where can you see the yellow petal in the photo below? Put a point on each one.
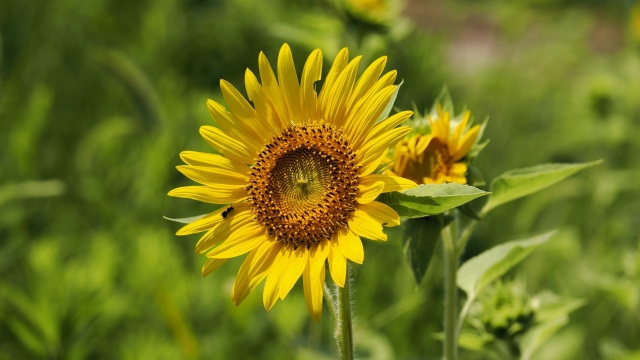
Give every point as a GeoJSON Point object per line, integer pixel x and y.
{"type": "Point", "coordinates": [272, 91]}
{"type": "Point", "coordinates": [239, 106]}
{"type": "Point", "coordinates": [226, 145]}
{"type": "Point", "coordinates": [350, 245]}
{"type": "Point", "coordinates": [214, 176]}
{"type": "Point", "coordinates": [373, 164]}
{"type": "Point", "coordinates": [311, 73]}
{"type": "Point", "coordinates": [254, 270]}
{"type": "Point", "coordinates": [377, 147]}
{"type": "Point", "coordinates": [240, 242]}
{"type": "Point", "coordinates": [313, 290]}
{"type": "Point", "coordinates": [337, 264]}
{"type": "Point", "coordinates": [339, 96]}
{"type": "Point", "coordinates": [297, 261]}
{"type": "Point", "coordinates": [241, 286]}
{"type": "Point", "coordinates": [196, 158]}
{"type": "Point", "coordinates": [264, 124]}
{"type": "Point", "coordinates": [211, 264]}
{"type": "Point", "coordinates": [318, 254]}
{"type": "Point", "coordinates": [457, 132]}
{"type": "Point", "coordinates": [466, 143]}
{"type": "Point", "coordinates": [227, 226]}
{"type": "Point", "coordinates": [364, 225]}
{"type": "Point", "coordinates": [339, 63]}
{"type": "Point", "coordinates": [363, 121]}
{"type": "Point", "coordinates": [366, 81]}
{"type": "Point", "coordinates": [243, 113]}
{"type": "Point", "coordinates": [387, 125]}
{"type": "Point", "coordinates": [237, 128]}
{"type": "Point", "coordinates": [289, 86]}
{"type": "Point", "coordinates": [209, 195]}
{"type": "Point", "coordinates": [382, 213]}
{"type": "Point", "coordinates": [391, 183]}
{"type": "Point", "coordinates": [368, 192]}
{"type": "Point", "coordinates": [205, 223]}
{"type": "Point", "coordinates": [271, 292]}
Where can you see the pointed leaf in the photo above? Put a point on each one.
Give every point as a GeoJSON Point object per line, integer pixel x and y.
{"type": "Point", "coordinates": [430, 199]}
{"type": "Point", "coordinates": [481, 270]}
{"type": "Point", "coordinates": [515, 184]}
{"type": "Point", "coordinates": [187, 220]}
{"type": "Point", "coordinates": [420, 237]}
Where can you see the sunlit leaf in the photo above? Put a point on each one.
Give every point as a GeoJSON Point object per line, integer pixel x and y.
{"type": "Point", "coordinates": [481, 270]}
{"type": "Point", "coordinates": [515, 184]}
{"type": "Point", "coordinates": [430, 199]}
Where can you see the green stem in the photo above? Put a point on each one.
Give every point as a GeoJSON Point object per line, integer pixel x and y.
{"type": "Point", "coordinates": [463, 313]}
{"type": "Point", "coordinates": [344, 326]}
{"type": "Point", "coordinates": [466, 234]}
{"type": "Point", "coordinates": [450, 295]}
{"type": "Point", "coordinates": [464, 237]}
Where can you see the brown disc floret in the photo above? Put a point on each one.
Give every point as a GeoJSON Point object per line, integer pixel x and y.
{"type": "Point", "coordinates": [303, 184]}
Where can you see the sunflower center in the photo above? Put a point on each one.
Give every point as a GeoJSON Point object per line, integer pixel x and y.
{"type": "Point", "coordinates": [433, 163]}
{"type": "Point", "coordinates": [436, 158]}
{"type": "Point", "coordinates": [303, 184]}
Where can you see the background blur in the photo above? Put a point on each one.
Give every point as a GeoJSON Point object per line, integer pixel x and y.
{"type": "Point", "coordinates": [97, 99]}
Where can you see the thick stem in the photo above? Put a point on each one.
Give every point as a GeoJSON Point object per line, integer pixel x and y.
{"type": "Point", "coordinates": [450, 294]}
{"type": "Point", "coordinates": [344, 327]}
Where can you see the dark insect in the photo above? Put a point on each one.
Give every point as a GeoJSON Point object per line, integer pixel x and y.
{"type": "Point", "coordinates": [226, 212]}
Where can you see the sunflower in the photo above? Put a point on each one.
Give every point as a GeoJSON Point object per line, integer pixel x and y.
{"type": "Point", "coordinates": [296, 173]}
{"type": "Point", "coordinates": [436, 158]}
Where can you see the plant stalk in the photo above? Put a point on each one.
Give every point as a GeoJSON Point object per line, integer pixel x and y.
{"type": "Point", "coordinates": [450, 296]}
{"type": "Point", "coordinates": [344, 326]}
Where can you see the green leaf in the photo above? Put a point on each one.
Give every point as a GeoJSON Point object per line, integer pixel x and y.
{"type": "Point", "coordinates": [550, 306]}
{"type": "Point", "coordinates": [539, 334]}
{"type": "Point", "coordinates": [473, 340]}
{"type": "Point", "coordinates": [515, 184]}
{"type": "Point", "coordinates": [188, 220]}
{"type": "Point", "coordinates": [474, 177]}
{"type": "Point", "coordinates": [420, 237]}
{"type": "Point", "coordinates": [481, 270]}
{"type": "Point", "coordinates": [430, 199]}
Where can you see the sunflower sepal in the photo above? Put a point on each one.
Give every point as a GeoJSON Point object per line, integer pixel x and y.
{"type": "Point", "coordinates": [187, 220]}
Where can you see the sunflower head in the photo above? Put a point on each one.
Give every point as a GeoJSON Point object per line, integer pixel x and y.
{"type": "Point", "coordinates": [436, 157]}
{"type": "Point", "coordinates": [296, 174]}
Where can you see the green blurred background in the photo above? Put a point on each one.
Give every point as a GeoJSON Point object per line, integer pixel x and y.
{"type": "Point", "coordinates": [97, 99]}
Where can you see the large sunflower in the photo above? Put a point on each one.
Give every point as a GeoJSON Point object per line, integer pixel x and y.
{"type": "Point", "coordinates": [436, 158]}
{"type": "Point", "coordinates": [296, 173]}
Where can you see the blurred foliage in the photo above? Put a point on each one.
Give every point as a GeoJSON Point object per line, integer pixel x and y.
{"type": "Point", "coordinates": [97, 99]}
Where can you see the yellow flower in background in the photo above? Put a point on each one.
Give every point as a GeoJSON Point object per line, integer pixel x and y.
{"type": "Point", "coordinates": [436, 158]}
{"type": "Point", "coordinates": [296, 174]}
{"type": "Point", "coordinates": [377, 11]}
